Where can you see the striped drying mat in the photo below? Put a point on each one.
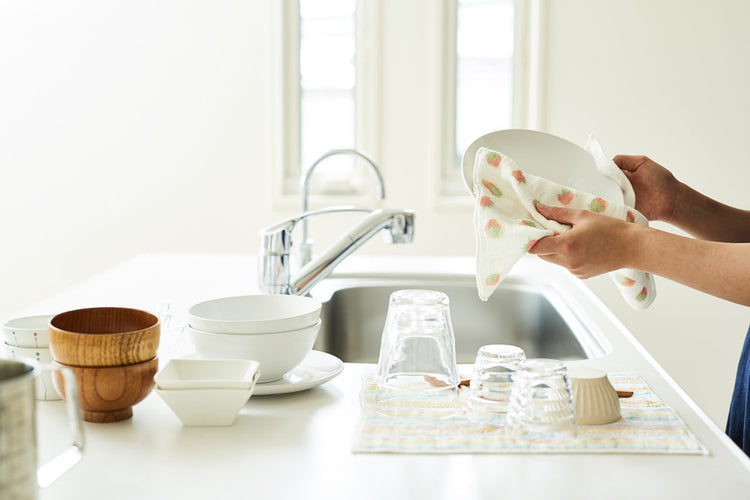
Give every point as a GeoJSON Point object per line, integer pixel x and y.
{"type": "Point", "coordinates": [647, 426]}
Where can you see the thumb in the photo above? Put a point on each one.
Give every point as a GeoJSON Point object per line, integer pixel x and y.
{"type": "Point", "coordinates": [558, 214]}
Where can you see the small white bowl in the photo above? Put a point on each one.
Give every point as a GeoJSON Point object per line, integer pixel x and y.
{"type": "Point", "coordinates": [41, 355]}
{"type": "Point", "coordinates": [277, 353]}
{"type": "Point", "coordinates": [44, 389]}
{"type": "Point", "coordinates": [206, 406]}
{"type": "Point", "coordinates": [208, 374]}
{"type": "Point", "coordinates": [253, 314]}
{"type": "Point", "coordinates": [595, 400]}
{"type": "Point", "coordinates": [29, 331]}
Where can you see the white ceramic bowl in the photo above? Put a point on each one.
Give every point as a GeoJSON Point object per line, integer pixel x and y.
{"type": "Point", "coordinates": [206, 406]}
{"type": "Point", "coordinates": [595, 400]}
{"type": "Point", "coordinates": [41, 355]}
{"type": "Point", "coordinates": [547, 156]}
{"type": "Point", "coordinates": [251, 314]}
{"type": "Point", "coordinates": [44, 389]}
{"type": "Point", "coordinates": [277, 353]}
{"type": "Point", "coordinates": [29, 331]}
{"type": "Point", "coordinates": [208, 374]}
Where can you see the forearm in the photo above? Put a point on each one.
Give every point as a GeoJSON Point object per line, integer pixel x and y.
{"type": "Point", "coordinates": [708, 219]}
{"type": "Point", "coordinates": [717, 268]}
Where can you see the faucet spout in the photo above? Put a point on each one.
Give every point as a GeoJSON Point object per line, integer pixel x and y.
{"type": "Point", "coordinates": [305, 247]}
{"type": "Point", "coordinates": [398, 226]}
{"type": "Point", "coordinates": [274, 259]}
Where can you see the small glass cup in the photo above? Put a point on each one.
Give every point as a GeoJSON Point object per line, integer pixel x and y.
{"type": "Point", "coordinates": [491, 383]}
{"type": "Point", "coordinates": [417, 365]}
{"type": "Point", "coordinates": [541, 401]}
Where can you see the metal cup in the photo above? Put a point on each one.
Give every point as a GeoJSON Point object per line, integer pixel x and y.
{"type": "Point", "coordinates": [19, 477]}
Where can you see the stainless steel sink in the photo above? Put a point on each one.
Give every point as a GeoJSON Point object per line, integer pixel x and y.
{"type": "Point", "coordinates": [531, 315]}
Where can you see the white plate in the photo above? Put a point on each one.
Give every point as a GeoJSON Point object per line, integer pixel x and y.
{"type": "Point", "coordinates": [547, 156]}
{"type": "Point", "coordinates": [317, 368]}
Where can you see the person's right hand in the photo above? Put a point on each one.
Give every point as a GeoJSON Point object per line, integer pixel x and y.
{"type": "Point", "coordinates": [655, 187]}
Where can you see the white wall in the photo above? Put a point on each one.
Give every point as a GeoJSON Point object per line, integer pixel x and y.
{"type": "Point", "coordinates": [667, 79]}
{"type": "Point", "coordinates": [126, 127]}
{"type": "Point", "coordinates": [141, 126]}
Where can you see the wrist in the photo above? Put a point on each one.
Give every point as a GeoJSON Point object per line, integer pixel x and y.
{"type": "Point", "coordinates": [679, 199]}
{"type": "Point", "coordinates": [634, 242]}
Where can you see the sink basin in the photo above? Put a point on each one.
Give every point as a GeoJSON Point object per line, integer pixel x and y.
{"type": "Point", "coordinates": [530, 314]}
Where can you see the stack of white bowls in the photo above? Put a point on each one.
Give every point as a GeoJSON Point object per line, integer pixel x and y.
{"type": "Point", "coordinates": [278, 331]}
{"type": "Point", "coordinates": [27, 339]}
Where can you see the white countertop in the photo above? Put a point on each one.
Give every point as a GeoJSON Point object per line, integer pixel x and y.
{"type": "Point", "coordinates": [299, 445]}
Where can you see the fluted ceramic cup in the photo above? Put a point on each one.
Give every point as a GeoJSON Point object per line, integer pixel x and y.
{"type": "Point", "coordinates": [491, 383]}
{"type": "Point", "coordinates": [541, 401]}
{"type": "Point", "coordinates": [417, 355]}
{"type": "Point", "coordinates": [595, 399]}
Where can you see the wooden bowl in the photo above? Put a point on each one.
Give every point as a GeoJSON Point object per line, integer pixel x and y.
{"type": "Point", "coordinates": [108, 393]}
{"type": "Point", "coordinates": [104, 336]}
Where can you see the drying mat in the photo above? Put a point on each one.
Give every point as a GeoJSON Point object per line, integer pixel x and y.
{"type": "Point", "coordinates": [647, 426]}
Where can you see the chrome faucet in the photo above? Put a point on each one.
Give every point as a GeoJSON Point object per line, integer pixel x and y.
{"type": "Point", "coordinates": [305, 247]}
{"type": "Point", "coordinates": [276, 243]}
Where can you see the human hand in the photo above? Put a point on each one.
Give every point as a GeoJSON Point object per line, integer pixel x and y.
{"type": "Point", "coordinates": [595, 244]}
{"type": "Point", "coordinates": [656, 189]}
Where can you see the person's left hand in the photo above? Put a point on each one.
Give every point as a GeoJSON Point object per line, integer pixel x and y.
{"type": "Point", "coordinates": [594, 245]}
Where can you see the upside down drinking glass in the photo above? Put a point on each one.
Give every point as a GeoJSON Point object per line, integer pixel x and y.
{"type": "Point", "coordinates": [541, 402]}
{"type": "Point", "coordinates": [491, 382]}
{"type": "Point", "coordinates": [417, 355]}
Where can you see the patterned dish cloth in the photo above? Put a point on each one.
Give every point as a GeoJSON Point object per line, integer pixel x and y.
{"type": "Point", "coordinates": [507, 224]}
{"type": "Point", "coordinates": [416, 426]}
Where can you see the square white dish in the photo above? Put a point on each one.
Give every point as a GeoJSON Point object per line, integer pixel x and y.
{"type": "Point", "coordinates": [206, 407]}
{"type": "Point", "coordinates": [185, 374]}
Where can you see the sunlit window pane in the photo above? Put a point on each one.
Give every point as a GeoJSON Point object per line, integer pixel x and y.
{"type": "Point", "coordinates": [484, 69]}
{"type": "Point", "coordinates": [327, 76]}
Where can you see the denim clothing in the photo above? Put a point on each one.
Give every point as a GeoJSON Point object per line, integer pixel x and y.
{"type": "Point", "coordinates": [738, 423]}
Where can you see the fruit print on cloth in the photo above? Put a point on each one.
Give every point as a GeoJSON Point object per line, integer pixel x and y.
{"type": "Point", "coordinates": [492, 188]}
{"type": "Point", "coordinates": [493, 229]}
{"type": "Point", "coordinates": [565, 197]}
{"type": "Point", "coordinates": [624, 280]}
{"type": "Point", "coordinates": [493, 158]}
{"type": "Point", "coordinates": [598, 205]}
{"type": "Point", "coordinates": [507, 223]}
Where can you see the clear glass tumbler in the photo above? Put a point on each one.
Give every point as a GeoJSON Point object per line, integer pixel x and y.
{"type": "Point", "coordinates": [541, 402]}
{"type": "Point", "coordinates": [491, 383]}
{"type": "Point", "coordinates": [417, 360]}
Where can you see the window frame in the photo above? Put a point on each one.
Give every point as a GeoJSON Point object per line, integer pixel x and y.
{"type": "Point", "coordinates": [526, 98]}
{"type": "Point", "coordinates": [286, 137]}
{"type": "Point", "coordinates": [448, 190]}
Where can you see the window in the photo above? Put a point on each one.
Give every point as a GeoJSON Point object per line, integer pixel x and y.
{"type": "Point", "coordinates": [492, 85]}
{"type": "Point", "coordinates": [327, 83]}
{"type": "Point", "coordinates": [331, 94]}
{"type": "Point", "coordinates": [484, 70]}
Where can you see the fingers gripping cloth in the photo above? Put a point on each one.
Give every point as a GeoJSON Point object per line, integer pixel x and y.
{"type": "Point", "coordinates": [507, 223]}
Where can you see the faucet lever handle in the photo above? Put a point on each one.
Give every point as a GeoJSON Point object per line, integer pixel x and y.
{"type": "Point", "coordinates": [277, 239]}
{"type": "Point", "coordinates": [401, 229]}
